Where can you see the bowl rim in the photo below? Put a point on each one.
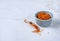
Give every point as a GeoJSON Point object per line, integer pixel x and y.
{"type": "Point", "coordinates": [46, 12]}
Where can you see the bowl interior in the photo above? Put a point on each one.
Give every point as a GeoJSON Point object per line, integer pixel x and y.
{"type": "Point", "coordinates": [46, 12]}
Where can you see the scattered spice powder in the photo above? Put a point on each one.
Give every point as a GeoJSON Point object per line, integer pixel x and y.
{"type": "Point", "coordinates": [43, 15]}
{"type": "Point", "coordinates": [36, 28]}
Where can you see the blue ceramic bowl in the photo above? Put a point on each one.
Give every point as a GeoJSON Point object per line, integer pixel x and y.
{"type": "Point", "coordinates": [44, 23]}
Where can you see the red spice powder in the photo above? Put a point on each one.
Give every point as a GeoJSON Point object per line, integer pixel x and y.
{"type": "Point", "coordinates": [43, 15]}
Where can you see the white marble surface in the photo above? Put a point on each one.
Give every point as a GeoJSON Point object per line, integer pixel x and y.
{"type": "Point", "coordinates": [13, 12]}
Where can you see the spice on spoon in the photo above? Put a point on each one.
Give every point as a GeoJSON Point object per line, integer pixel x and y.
{"type": "Point", "coordinates": [36, 28]}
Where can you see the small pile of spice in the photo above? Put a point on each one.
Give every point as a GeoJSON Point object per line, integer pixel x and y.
{"type": "Point", "coordinates": [36, 28]}
{"type": "Point", "coordinates": [43, 15]}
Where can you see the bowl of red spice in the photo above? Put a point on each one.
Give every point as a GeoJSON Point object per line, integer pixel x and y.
{"type": "Point", "coordinates": [44, 18]}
